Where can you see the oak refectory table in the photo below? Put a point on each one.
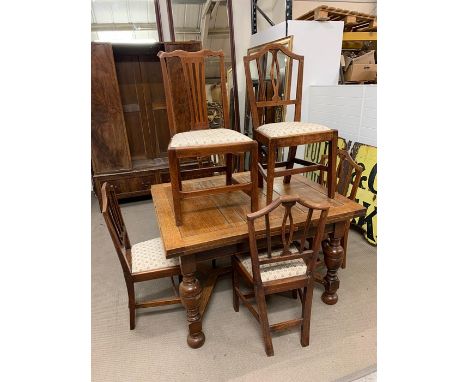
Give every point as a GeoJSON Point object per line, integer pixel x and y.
{"type": "Point", "coordinates": [215, 227]}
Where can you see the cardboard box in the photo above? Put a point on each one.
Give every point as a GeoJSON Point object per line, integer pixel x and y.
{"type": "Point", "coordinates": [361, 72]}
{"type": "Point", "coordinates": [362, 68]}
{"type": "Point", "coordinates": [367, 58]}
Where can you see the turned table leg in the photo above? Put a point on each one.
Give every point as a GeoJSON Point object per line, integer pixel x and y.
{"type": "Point", "coordinates": [333, 256]}
{"type": "Point", "coordinates": [190, 293]}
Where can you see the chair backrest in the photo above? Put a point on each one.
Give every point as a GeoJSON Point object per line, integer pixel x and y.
{"type": "Point", "coordinates": [116, 226]}
{"type": "Point", "coordinates": [193, 69]}
{"type": "Point", "coordinates": [348, 173]}
{"type": "Point", "coordinates": [288, 228]}
{"type": "Point", "coordinates": [273, 88]}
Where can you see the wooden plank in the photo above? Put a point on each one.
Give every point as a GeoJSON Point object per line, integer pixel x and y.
{"type": "Point", "coordinates": [359, 36]}
{"type": "Point", "coordinates": [285, 325]}
{"type": "Point", "coordinates": [208, 286]}
{"type": "Point", "coordinates": [299, 170]}
{"type": "Point", "coordinates": [350, 21]}
{"type": "Point", "coordinates": [160, 302]}
{"type": "Point", "coordinates": [321, 15]}
{"type": "Point", "coordinates": [216, 190]}
{"type": "Point", "coordinates": [247, 304]}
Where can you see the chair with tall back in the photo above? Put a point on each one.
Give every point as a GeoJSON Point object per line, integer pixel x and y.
{"type": "Point", "coordinates": [200, 140]}
{"type": "Point", "coordinates": [140, 262]}
{"type": "Point", "coordinates": [348, 174]}
{"type": "Point", "coordinates": [274, 65]}
{"type": "Point", "coordinates": [288, 267]}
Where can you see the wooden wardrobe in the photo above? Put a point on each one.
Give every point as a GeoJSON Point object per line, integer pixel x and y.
{"type": "Point", "coordinates": [129, 127]}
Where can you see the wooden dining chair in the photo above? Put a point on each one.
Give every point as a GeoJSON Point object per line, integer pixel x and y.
{"type": "Point", "coordinates": [200, 140]}
{"type": "Point", "coordinates": [348, 176]}
{"type": "Point", "coordinates": [288, 267]}
{"type": "Point", "coordinates": [276, 135]}
{"type": "Point", "coordinates": [140, 262]}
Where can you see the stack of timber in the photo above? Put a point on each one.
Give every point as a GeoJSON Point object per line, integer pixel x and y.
{"type": "Point", "coordinates": [353, 21]}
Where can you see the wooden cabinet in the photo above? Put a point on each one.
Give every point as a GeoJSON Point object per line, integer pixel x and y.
{"type": "Point", "coordinates": [109, 150]}
{"type": "Point", "coordinates": [129, 127]}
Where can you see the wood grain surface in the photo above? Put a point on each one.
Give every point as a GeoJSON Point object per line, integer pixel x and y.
{"type": "Point", "coordinates": [215, 221]}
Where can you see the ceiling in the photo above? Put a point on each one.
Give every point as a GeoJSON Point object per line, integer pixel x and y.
{"type": "Point", "coordinates": [123, 20]}
{"type": "Point", "coordinates": [135, 21]}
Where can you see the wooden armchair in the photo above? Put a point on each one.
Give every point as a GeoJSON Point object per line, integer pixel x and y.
{"type": "Point", "coordinates": [348, 174]}
{"type": "Point", "coordinates": [272, 82]}
{"type": "Point", "coordinates": [200, 140]}
{"type": "Point", "coordinates": [140, 262]}
{"type": "Point", "coordinates": [288, 268]}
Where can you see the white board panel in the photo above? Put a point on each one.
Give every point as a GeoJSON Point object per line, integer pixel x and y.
{"type": "Point", "coordinates": [351, 109]}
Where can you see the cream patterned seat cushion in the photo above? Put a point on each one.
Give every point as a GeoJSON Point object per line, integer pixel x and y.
{"type": "Point", "coordinates": [197, 138]}
{"type": "Point", "coordinates": [290, 129]}
{"type": "Point", "coordinates": [149, 255]}
{"type": "Point", "coordinates": [276, 271]}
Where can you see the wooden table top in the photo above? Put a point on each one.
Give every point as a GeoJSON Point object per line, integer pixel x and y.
{"type": "Point", "coordinates": [214, 221]}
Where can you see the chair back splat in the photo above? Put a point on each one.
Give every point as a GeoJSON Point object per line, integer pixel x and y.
{"type": "Point", "coordinates": [115, 224]}
{"type": "Point", "coordinates": [273, 89]}
{"type": "Point", "coordinates": [193, 69]}
{"type": "Point", "coordinates": [289, 232]}
{"type": "Point", "coordinates": [348, 174]}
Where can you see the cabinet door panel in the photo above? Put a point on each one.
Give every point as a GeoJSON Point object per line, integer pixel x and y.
{"type": "Point", "coordinates": [139, 130]}
{"type": "Point", "coordinates": [155, 102]}
{"type": "Point", "coordinates": [109, 146]}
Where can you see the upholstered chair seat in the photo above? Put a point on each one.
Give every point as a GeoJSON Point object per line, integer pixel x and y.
{"type": "Point", "coordinates": [147, 259]}
{"type": "Point", "coordinates": [149, 255]}
{"type": "Point", "coordinates": [207, 137]}
{"type": "Point", "coordinates": [290, 129]}
{"type": "Point", "coordinates": [276, 271]}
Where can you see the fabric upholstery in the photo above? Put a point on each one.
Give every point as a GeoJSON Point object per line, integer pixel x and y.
{"type": "Point", "coordinates": [206, 137]}
{"type": "Point", "coordinates": [290, 129]}
{"type": "Point", "coordinates": [276, 271]}
{"type": "Point", "coordinates": [149, 255]}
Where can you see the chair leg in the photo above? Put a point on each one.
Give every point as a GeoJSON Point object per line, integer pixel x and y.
{"type": "Point", "coordinates": [235, 284]}
{"type": "Point", "coordinates": [262, 314]}
{"type": "Point", "coordinates": [228, 169]}
{"type": "Point", "coordinates": [331, 172]}
{"type": "Point", "coordinates": [254, 177]}
{"type": "Point", "coordinates": [306, 313]}
{"type": "Point", "coordinates": [259, 159]}
{"type": "Point", "coordinates": [131, 303]}
{"type": "Point", "coordinates": [344, 244]}
{"type": "Point", "coordinates": [270, 172]}
{"type": "Point", "coordinates": [294, 294]}
{"type": "Point", "coordinates": [291, 155]}
{"type": "Point", "coordinates": [174, 170]}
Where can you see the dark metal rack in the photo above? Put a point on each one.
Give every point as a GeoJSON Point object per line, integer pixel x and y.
{"type": "Point", "coordinates": [255, 8]}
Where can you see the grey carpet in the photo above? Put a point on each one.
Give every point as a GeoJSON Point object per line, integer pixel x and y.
{"type": "Point", "coordinates": [343, 337]}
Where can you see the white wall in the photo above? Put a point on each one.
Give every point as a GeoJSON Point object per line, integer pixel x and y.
{"type": "Point", "coordinates": [351, 109]}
